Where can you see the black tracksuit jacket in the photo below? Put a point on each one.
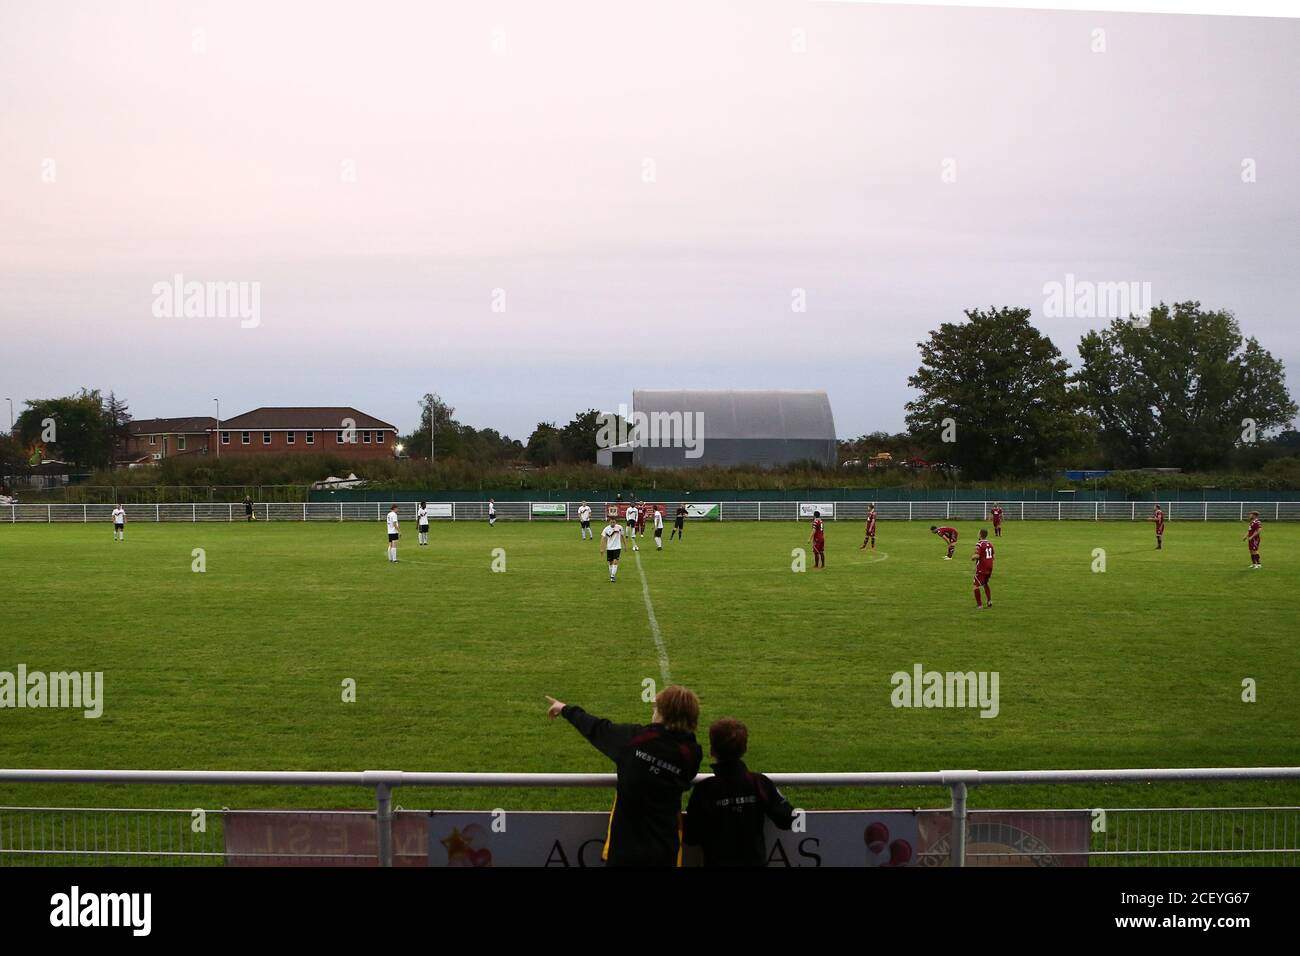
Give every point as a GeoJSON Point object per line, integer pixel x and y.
{"type": "Point", "coordinates": [655, 767]}
{"type": "Point", "coordinates": [726, 812]}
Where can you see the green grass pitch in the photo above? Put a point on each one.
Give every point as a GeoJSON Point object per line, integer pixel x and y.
{"type": "Point", "coordinates": [241, 667]}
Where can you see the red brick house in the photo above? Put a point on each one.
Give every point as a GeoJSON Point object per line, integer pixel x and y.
{"type": "Point", "coordinates": [153, 439]}
{"type": "Point", "coordinates": [304, 431]}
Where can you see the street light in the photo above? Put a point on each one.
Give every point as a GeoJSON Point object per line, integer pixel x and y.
{"type": "Point", "coordinates": [433, 429]}
{"type": "Point", "coordinates": [217, 433]}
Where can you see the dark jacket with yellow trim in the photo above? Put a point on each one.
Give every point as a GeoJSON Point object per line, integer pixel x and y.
{"type": "Point", "coordinates": [655, 767]}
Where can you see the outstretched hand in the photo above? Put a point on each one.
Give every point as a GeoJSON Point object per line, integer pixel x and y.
{"type": "Point", "coordinates": [554, 708]}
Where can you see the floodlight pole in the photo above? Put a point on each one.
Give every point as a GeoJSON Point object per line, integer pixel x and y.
{"type": "Point", "coordinates": [217, 433]}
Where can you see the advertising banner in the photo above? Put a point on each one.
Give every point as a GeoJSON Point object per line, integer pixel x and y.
{"type": "Point", "coordinates": [1011, 838]}
{"type": "Point", "coordinates": [822, 838]}
{"type": "Point", "coordinates": [708, 512]}
{"type": "Point", "coordinates": [806, 509]}
{"type": "Point", "coordinates": [319, 838]}
{"type": "Point", "coordinates": [550, 509]}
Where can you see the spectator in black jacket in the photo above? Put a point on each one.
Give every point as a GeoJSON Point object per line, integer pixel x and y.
{"type": "Point", "coordinates": [656, 765]}
{"type": "Point", "coordinates": [726, 812]}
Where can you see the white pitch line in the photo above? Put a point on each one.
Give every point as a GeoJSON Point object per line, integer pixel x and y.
{"type": "Point", "coordinates": [654, 625]}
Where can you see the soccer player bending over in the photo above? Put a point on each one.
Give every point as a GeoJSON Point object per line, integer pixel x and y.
{"type": "Point", "coordinates": [613, 535]}
{"type": "Point", "coordinates": [818, 539]}
{"type": "Point", "coordinates": [119, 523]}
{"type": "Point", "coordinates": [949, 535]}
{"type": "Point", "coordinates": [725, 814]}
{"type": "Point", "coordinates": [983, 558]}
{"type": "Point", "coordinates": [1252, 540]}
{"type": "Point", "coordinates": [656, 764]}
{"type": "Point", "coordinates": [870, 536]}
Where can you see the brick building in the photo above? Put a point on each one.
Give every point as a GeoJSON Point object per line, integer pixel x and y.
{"type": "Point", "coordinates": [304, 431]}
{"type": "Point", "coordinates": [153, 439]}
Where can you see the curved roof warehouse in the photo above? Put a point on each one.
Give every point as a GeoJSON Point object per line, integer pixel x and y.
{"type": "Point", "coordinates": [677, 428]}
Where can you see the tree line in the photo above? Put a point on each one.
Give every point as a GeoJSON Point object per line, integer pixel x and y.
{"type": "Point", "coordinates": [1182, 388]}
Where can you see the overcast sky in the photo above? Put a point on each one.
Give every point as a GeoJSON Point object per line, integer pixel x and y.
{"type": "Point", "coordinates": [646, 182]}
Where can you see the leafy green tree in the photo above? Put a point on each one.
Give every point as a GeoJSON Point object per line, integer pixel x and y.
{"type": "Point", "coordinates": [545, 445]}
{"type": "Point", "coordinates": [1182, 391]}
{"type": "Point", "coordinates": [578, 438]}
{"type": "Point", "coordinates": [994, 395]}
{"type": "Point", "coordinates": [77, 428]}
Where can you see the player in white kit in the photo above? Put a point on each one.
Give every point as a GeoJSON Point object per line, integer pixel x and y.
{"type": "Point", "coordinates": [584, 517]}
{"type": "Point", "coordinates": [492, 513]}
{"type": "Point", "coordinates": [119, 523]}
{"type": "Point", "coordinates": [613, 536]}
{"type": "Point", "coordinates": [659, 529]}
{"type": "Point", "coordinates": [632, 515]}
{"type": "Point", "coordinates": [393, 534]}
{"type": "Point", "coordinates": [422, 521]}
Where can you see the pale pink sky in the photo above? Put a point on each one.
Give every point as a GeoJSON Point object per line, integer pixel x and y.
{"type": "Point", "coordinates": [521, 168]}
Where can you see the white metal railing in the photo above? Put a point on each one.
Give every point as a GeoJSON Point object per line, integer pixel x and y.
{"type": "Point", "coordinates": [726, 511]}
{"type": "Point", "coordinates": [383, 782]}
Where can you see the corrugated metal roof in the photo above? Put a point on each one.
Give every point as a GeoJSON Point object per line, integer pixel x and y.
{"type": "Point", "coordinates": [742, 413]}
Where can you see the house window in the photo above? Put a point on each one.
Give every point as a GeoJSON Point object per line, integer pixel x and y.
{"type": "Point", "coordinates": [244, 437]}
{"type": "Point", "coordinates": [338, 438]}
{"type": "Point", "coordinates": [153, 439]}
{"type": "Point", "coordinates": [311, 438]}
{"type": "Point", "coordinates": [266, 438]}
{"type": "Point", "coordinates": [379, 437]}
{"type": "Point", "coordinates": [225, 438]}
{"type": "Point", "coordinates": [289, 438]}
{"type": "Point", "coordinates": [180, 442]}
{"type": "Point", "coordinates": [365, 438]}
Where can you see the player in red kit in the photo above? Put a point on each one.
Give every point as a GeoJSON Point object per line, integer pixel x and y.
{"type": "Point", "coordinates": [996, 513]}
{"type": "Point", "coordinates": [1252, 540]}
{"type": "Point", "coordinates": [1158, 517]}
{"type": "Point", "coordinates": [949, 535]}
{"type": "Point", "coordinates": [818, 539]}
{"type": "Point", "coordinates": [983, 558]}
{"type": "Point", "coordinates": [870, 536]}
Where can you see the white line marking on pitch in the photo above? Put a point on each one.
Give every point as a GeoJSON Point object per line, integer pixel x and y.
{"type": "Point", "coordinates": [654, 625]}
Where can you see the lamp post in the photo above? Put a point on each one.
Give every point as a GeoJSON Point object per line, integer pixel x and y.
{"type": "Point", "coordinates": [433, 431]}
{"type": "Point", "coordinates": [217, 433]}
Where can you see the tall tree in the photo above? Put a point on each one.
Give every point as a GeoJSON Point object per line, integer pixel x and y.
{"type": "Point", "coordinates": [75, 428]}
{"type": "Point", "coordinates": [545, 444]}
{"type": "Point", "coordinates": [578, 438]}
{"type": "Point", "coordinates": [994, 395]}
{"type": "Point", "coordinates": [1181, 391]}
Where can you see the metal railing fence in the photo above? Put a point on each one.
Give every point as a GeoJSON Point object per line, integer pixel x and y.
{"type": "Point", "coordinates": [193, 511]}
{"type": "Point", "coordinates": [1147, 835]}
